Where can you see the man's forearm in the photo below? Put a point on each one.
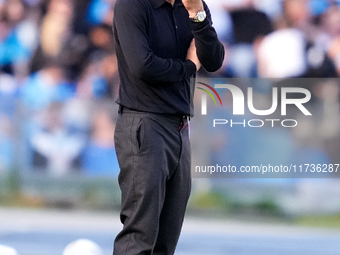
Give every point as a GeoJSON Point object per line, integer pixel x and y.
{"type": "Point", "coordinates": [210, 50]}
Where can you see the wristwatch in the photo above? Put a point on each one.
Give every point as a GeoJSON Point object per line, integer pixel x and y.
{"type": "Point", "coordinates": [200, 17]}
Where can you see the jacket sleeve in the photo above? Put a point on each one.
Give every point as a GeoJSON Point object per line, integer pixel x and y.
{"type": "Point", "coordinates": [210, 50]}
{"type": "Point", "coordinates": [130, 27]}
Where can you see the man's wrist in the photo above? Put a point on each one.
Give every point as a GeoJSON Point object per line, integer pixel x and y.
{"type": "Point", "coordinates": [192, 14]}
{"type": "Point", "coordinates": [200, 17]}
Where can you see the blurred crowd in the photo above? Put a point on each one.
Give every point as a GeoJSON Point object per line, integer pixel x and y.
{"type": "Point", "coordinates": [279, 38]}
{"type": "Point", "coordinates": [58, 82]}
{"type": "Point", "coordinates": [58, 70]}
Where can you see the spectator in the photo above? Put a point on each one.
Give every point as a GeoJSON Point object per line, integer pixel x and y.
{"type": "Point", "coordinates": [282, 54]}
{"type": "Point", "coordinates": [55, 27]}
{"type": "Point", "coordinates": [248, 25]}
{"type": "Point", "coordinates": [18, 36]}
{"type": "Point", "coordinates": [56, 37]}
{"type": "Point", "coordinates": [293, 50]}
{"type": "Point", "coordinates": [53, 144]}
{"type": "Point", "coordinates": [50, 84]}
{"type": "Point", "coordinates": [101, 38]}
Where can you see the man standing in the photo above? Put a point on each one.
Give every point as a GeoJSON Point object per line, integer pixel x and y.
{"type": "Point", "coordinates": [160, 44]}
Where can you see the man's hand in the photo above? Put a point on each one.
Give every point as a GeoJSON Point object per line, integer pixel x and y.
{"type": "Point", "coordinates": [193, 7]}
{"type": "Point", "coordinates": [192, 55]}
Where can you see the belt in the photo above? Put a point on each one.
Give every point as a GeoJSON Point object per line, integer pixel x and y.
{"type": "Point", "coordinates": [123, 109]}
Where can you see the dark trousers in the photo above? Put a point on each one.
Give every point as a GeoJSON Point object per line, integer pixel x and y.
{"type": "Point", "coordinates": [153, 152]}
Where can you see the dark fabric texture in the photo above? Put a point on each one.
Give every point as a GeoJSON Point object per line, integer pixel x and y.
{"type": "Point", "coordinates": [153, 152]}
{"type": "Point", "coordinates": [151, 39]}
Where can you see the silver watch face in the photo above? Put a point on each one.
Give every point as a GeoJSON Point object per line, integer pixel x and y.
{"type": "Point", "coordinates": [201, 16]}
